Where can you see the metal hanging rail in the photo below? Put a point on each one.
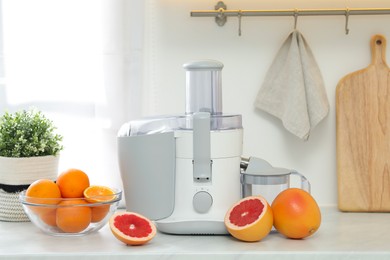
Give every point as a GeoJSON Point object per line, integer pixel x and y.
{"type": "Point", "coordinates": [221, 13]}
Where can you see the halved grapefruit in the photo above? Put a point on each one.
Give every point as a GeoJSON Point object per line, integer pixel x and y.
{"type": "Point", "coordinates": [132, 228]}
{"type": "Point", "coordinates": [250, 219]}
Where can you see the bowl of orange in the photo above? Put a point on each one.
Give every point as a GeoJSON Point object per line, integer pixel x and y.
{"type": "Point", "coordinates": [75, 210]}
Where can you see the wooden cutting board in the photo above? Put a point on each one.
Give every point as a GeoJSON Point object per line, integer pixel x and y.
{"type": "Point", "coordinates": [363, 135]}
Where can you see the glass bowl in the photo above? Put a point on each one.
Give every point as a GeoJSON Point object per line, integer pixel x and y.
{"type": "Point", "coordinates": [70, 216]}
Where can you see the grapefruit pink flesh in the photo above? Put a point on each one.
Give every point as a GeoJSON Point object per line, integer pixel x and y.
{"type": "Point", "coordinates": [133, 226]}
{"type": "Point", "coordinates": [246, 212]}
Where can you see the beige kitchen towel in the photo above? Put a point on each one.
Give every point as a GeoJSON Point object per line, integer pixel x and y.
{"type": "Point", "coordinates": [293, 89]}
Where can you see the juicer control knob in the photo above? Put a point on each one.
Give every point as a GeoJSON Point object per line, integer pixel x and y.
{"type": "Point", "coordinates": [202, 201]}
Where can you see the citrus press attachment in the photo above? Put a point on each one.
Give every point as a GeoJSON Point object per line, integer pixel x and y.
{"type": "Point", "coordinates": [258, 177]}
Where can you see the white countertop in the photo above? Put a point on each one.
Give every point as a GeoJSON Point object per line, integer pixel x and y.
{"type": "Point", "coordinates": [341, 236]}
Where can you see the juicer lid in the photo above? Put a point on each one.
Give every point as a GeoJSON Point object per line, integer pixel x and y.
{"type": "Point", "coordinates": [203, 65]}
{"type": "Point", "coordinates": [259, 167]}
{"type": "Point", "coordinates": [163, 124]}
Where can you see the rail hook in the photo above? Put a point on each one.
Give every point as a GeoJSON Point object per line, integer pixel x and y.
{"type": "Point", "coordinates": [346, 21]}
{"type": "Point", "coordinates": [239, 15]}
{"type": "Point", "coordinates": [296, 14]}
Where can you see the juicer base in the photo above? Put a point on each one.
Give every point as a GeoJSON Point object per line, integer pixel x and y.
{"type": "Point", "coordinates": [192, 227]}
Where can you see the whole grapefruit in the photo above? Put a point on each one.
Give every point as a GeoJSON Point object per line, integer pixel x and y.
{"type": "Point", "coordinates": [296, 213]}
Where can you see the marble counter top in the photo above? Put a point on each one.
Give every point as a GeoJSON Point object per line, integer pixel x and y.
{"type": "Point", "coordinates": [341, 236]}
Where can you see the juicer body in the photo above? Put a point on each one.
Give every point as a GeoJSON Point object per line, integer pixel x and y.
{"type": "Point", "coordinates": [160, 180]}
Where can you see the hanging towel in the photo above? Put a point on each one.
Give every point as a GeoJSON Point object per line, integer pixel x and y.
{"type": "Point", "coordinates": [293, 89]}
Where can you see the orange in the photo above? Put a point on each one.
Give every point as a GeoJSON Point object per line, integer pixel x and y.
{"type": "Point", "coordinates": [43, 188]}
{"type": "Point", "coordinates": [43, 191]}
{"type": "Point", "coordinates": [72, 183]}
{"type": "Point", "coordinates": [132, 228]}
{"type": "Point", "coordinates": [99, 212]}
{"type": "Point", "coordinates": [250, 219]}
{"type": "Point", "coordinates": [49, 217]}
{"type": "Point", "coordinates": [96, 194]}
{"type": "Point", "coordinates": [296, 213]}
{"type": "Point", "coordinates": [73, 216]}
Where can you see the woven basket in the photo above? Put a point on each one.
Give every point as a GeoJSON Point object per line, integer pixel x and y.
{"type": "Point", "coordinates": [10, 207]}
{"type": "Point", "coordinates": [15, 176]}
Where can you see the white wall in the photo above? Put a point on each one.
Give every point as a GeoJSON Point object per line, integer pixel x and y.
{"type": "Point", "coordinates": [172, 37]}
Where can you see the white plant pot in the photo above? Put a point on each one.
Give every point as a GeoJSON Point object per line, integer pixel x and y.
{"type": "Point", "coordinates": [15, 175]}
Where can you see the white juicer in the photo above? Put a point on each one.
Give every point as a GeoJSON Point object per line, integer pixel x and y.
{"type": "Point", "coordinates": [183, 172]}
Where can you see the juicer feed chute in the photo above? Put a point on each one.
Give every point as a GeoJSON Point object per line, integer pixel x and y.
{"type": "Point", "coordinates": [203, 87]}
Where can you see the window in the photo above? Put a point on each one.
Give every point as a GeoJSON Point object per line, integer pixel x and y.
{"type": "Point", "coordinates": [72, 60]}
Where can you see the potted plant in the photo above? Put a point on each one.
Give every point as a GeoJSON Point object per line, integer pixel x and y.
{"type": "Point", "coordinates": [29, 150]}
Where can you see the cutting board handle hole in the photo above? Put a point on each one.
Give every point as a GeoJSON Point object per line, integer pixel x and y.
{"type": "Point", "coordinates": [378, 42]}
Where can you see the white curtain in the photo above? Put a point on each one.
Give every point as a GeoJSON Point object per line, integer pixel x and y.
{"type": "Point", "coordinates": [80, 62]}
